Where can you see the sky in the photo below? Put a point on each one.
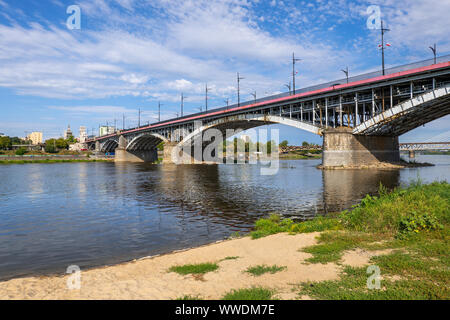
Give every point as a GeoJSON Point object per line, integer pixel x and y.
{"type": "Point", "coordinates": [131, 54]}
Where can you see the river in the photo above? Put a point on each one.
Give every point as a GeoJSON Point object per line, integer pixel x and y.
{"type": "Point", "coordinates": [93, 214]}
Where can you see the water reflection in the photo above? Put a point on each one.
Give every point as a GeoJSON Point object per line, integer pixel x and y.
{"type": "Point", "coordinates": [344, 188]}
{"type": "Point", "coordinates": [90, 214]}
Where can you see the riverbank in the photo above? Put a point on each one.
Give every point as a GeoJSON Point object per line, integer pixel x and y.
{"type": "Point", "coordinates": [404, 233]}
{"type": "Point", "coordinates": [26, 161]}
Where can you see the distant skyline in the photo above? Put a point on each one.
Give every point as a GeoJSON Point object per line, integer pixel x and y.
{"type": "Point", "coordinates": [130, 54]}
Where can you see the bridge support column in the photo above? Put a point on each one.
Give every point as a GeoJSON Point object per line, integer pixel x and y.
{"type": "Point", "coordinates": [341, 148]}
{"type": "Point", "coordinates": [412, 154]}
{"type": "Point", "coordinates": [168, 149]}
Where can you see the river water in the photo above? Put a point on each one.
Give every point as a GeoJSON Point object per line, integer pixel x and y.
{"type": "Point", "coordinates": [92, 214]}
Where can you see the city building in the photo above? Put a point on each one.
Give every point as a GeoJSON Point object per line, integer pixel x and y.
{"type": "Point", "coordinates": [104, 130]}
{"type": "Point", "coordinates": [83, 135]}
{"type": "Point", "coordinates": [68, 133]}
{"type": "Point", "coordinates": [35, 137]}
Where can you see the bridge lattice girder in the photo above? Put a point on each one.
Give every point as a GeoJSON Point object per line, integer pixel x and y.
{"type": "Point", "coordinates": [408, 115]}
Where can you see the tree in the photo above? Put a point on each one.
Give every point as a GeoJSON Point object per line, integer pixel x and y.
{"type": "Point", "coordinates": [305, 144]}
{"type": "Point", "coordinates": [21, 151]}
{"type": "Point", "coordinates": [53, 145]}
{"type": "Point", "coordinates": [284, 143]}
{"type": "Point", "coordinates": [71, 139]}
{"type": "Point", "coordinates": [5, 143]}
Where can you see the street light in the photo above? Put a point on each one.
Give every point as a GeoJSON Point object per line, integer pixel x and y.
{"type": "Point", "coordinates": [294, 60]}
{"type": "Point", "coordinates": [159, 111]}
{"type": "Point", "coordinates": [288, 86]}
{"type": "Point", "coordinates": [206, 96]}
{"type": "Point", "coordinates": [226, 101]}
{"type": "Point", "coordinates": [238, 88]}
{"type": "Point", "coordinates": [139, 118]}
{"type": "Point", "coordinates": [254, 95]}
{"type": "Point", "coordinates": [346, 72]}
{"type": "Point", "coordinates": [433, 48]}
{"type": "Point", "coordinates": [383, 30]}
{"type": "Point", "coordinates": [182, 102]}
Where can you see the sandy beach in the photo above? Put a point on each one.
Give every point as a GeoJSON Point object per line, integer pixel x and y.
{"type": "Point", "coordinates": [149, 278]}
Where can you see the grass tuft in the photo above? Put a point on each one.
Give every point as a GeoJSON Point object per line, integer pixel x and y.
{"type": "Point", "coordinates": [189, 297]}
{"type": "Point", "coordinates": [230, 258]}
{"type": "Point", "coordinates": [200, 268]}
{"type": "Point", "coordinates": [249, 294]}
{"type": "Point", "coordinates": [262, 269]}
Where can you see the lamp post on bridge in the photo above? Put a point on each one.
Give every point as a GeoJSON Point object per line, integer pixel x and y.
{"type": "Point", "coordinates": [183, 97]}
{"type": "Point", "coordinates": [383, 30]}
{"type": "Point", "coordinates": [254, 95]}
{"type": "Point", "coordinates": [227, 101]}
{"type": "Point", "coordinates": [294, 60]}
{"type": "Point", "coordinates": [139, 117]}
{"type": "Point", "coordinates": [289, 87]}
{"type": "Point", "coordinates": [346, 72]}
{"type": "Point", "coordinates": [239, 88]}
{"type": "Point", "coordinates": [159, 111]}
{"type": "Point", "coordinates": [206, 96]}
{"type": "Point", "coordinates": [433, 48]}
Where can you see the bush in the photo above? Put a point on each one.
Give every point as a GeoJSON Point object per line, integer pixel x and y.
{"type": "Point", "coordinates": [274, 224]}
{"type": "Point", "coordinates": [21, 151]}
{"type": "Point", "coordinates": [416, 223]}
{"type": "Point", "coordinates": [50, 148]}
{"type": "Point", "coordinates": [384, 214]}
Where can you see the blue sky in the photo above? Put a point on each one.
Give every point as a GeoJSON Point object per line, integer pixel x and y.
{"type": "Point", "coordinates": [134, 53]}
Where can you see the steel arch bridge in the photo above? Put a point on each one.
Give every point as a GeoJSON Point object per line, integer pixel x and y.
{"type": "Point", "coordinates": [368, 106]}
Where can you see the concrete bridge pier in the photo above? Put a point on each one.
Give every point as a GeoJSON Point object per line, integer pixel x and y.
{"type": "Point", "coordinates": [412, 154]}
{"type": "Point", "coordinates": [124, 155]}
{"type": "Point", "coordinates": [341, 148]}
{"type": "Point", "coordinates": [169, 147]}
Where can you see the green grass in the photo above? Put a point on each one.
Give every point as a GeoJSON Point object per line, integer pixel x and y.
{"type": "Point", "coordinates": [50, 161]}
{"type": "Point", "coordinates": [412, 221]}
{"type": "Point", "coordinates": [352, 285]}
{"type": "Point", "coordinates": [189, 297]}
{"type": "Point", "coordinates": [200, 268]}
{"type": "Point", "coordinates": [262, 269]}
{"type": "Point", "coordinates": [274, 224]}
{"type": "Point", "coordinates": [249, 294]}
{"type": "Point", "coordinates": [230, 258]}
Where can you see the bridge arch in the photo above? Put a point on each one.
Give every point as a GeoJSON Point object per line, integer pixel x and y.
{"type": "Point", "coordinates": [109, 145]}
{"type": "Point", "coordinates": [249, 121]}
{"type": "Point", "coordinates": [145, 141]}
{"type": "Point", "coordinates": [408, 115]}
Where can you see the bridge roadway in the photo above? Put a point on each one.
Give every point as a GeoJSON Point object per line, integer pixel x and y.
{"type": "Point", "coordinates": [360, 120]}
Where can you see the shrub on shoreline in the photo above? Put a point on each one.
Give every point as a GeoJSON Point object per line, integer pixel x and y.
{"type": "Point", "coordinates": [401, 212]}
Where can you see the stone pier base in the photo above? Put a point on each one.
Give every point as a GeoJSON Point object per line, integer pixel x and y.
{"type": "Point", "coordinates": [343, 149]}
{"type": "Point", "coordinates": [122, 155]}
{"type": "Point", "coordinates": [167, 153]}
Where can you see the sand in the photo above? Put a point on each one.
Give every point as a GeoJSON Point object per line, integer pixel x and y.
{"type": "Point", "coordinates": [149, 278]}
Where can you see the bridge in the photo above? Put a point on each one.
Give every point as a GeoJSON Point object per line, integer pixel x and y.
{"type": "Point", "coordinates": [412, 147]}
{"type": "Point", "coordinates": [360, 121]}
